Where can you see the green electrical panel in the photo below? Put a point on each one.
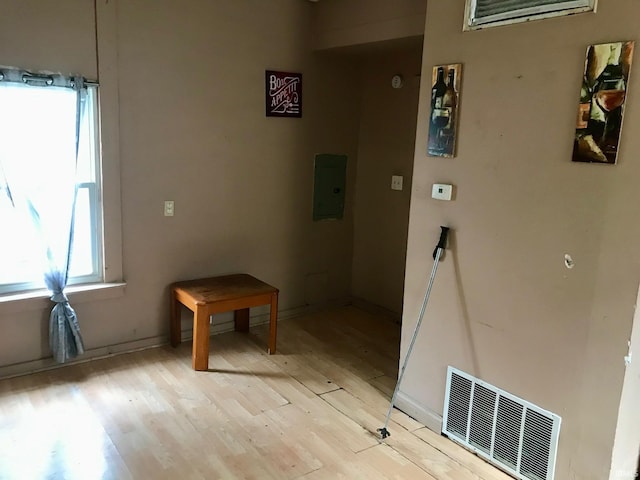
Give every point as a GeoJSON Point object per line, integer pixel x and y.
{"type": "Point", "coordinates": [329, 182]}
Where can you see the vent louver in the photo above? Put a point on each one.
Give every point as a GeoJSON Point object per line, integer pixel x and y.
{"type": "Point", "coordinates": [511, 433]}
{"type": "Point", "coordinates": [487, 13]}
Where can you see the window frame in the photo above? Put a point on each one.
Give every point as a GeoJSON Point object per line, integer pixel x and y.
{"type": "Point", "coordinates": [520, 15]}
{"type": "Point", "coordinates": [94, 191]}
{"type": "Point", "coordinates": [114, 284]}
{"type": "Point", "coordinates": [95, 215]}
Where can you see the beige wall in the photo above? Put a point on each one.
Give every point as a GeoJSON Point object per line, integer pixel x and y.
{"type": "Point", "coordinates": [385, 148]}
{"type": "Point", "coordinates": [56, 36]}
{"type": "Point", "coordinates": [193, 130]}
{"type": "Point", "coordinates": [342, 23]}
{"type": "Point", "coordinates": [504, 306]}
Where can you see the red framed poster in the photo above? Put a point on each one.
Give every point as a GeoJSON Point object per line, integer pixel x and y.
{"type": "Point", "coordinates": [283, 93]}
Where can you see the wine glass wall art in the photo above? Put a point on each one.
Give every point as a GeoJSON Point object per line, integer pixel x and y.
{"type": "Point", "coordinates": [602, 99]}
{"type": "Point", "coordinates": [443, 115]}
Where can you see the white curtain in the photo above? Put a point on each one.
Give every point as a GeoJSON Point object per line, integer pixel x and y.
{"type": "Point", "coordinates": [39, 138]}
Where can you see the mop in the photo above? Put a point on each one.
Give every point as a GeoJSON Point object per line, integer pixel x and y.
{"type": "Point", "coordinates": [437, 253]}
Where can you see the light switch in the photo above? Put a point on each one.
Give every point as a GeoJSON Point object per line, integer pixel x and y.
{"type": "Point", "coordinates": [441, 191]}
{"type": "Point", "coordinates": [168, 208]}
{"type": "Point", "coordinates": [396, 182]}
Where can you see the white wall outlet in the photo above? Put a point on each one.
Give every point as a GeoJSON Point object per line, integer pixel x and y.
{"type": "Point", "coordinates": [168, 208]}
{"type": "Point", "coordinates": [441, 191]}
{"type": "Point", "coordinates": [396, 182]}
{"type": "Point", "coordinates": [629, 356]}
{"type": "Point", "coordinates": [627, 359]}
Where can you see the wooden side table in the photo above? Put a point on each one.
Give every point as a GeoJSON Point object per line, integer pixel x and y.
{"type": "Point", "coordinates": [207, 296]}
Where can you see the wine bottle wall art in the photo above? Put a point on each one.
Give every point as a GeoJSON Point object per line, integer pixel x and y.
{"type": "Point", "coordinates": [602, 98]}
{"type": "Point", "coordinates": [443, 115]}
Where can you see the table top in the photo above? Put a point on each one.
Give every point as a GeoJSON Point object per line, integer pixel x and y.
{"type": "Point", "coordinates": [227, 287]}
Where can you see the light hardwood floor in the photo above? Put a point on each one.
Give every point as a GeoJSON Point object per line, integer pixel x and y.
{"type": "Point", "coordinates": [309, 412]}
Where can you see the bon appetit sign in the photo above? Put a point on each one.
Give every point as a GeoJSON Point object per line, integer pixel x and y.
{"type": "Point", "coordinates": [283, 94]}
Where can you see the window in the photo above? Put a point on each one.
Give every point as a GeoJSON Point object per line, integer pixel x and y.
{"type": "Point", "coordinates": [37, 145]}
{"type": "Point", "coordinates": [489, 13]}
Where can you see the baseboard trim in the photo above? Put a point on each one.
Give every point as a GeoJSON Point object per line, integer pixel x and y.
{"type": "Point", "coordinates": [426, 416]}
{"type": "Point", "coordinates": [34, 366]}
{"type": "Point", "coordinates": [40, 365]}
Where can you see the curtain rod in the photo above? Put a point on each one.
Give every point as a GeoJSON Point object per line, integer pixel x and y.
{"type": "Point", "coordinates": [55, 79]}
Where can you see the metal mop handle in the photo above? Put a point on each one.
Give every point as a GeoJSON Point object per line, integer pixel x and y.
{"type": "Point", "coordinates": [437, 253]}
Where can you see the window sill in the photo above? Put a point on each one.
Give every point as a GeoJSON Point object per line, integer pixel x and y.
{"type": "Point", "coordinates": [40, 299]}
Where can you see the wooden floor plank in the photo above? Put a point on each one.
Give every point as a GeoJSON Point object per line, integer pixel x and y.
{"type": "Point", "coordinates": [309, 412]}
{"type": "Point", "coordinates": [462, 456]}
{"type": "Point", "coordinates": [421, 453]}
{"type": "Point", "coordinates": [392, 464]}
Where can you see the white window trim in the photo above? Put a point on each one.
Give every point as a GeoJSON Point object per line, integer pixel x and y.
{"type": "Point", "coordinates": [40, 299]}
{"type": "Point", "coordinates": [107, 46]}
{"type": "Point", "coordinates": [524, 15]}
{"type": "Point", "coordinates": [113, 285]}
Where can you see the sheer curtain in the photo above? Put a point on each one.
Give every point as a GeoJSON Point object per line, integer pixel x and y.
{"type": "Point", "coordinates": [39, 141]}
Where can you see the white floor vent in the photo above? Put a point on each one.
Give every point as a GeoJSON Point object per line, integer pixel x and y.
{"type": "Point", "coordinates": [509, 432]}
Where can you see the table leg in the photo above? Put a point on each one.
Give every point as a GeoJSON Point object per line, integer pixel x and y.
{"type": "Point", "coordinates": [175, 324]}
{"type": "Point", "coordinates": [241, 320]}
{"type": "Point", "coordinates": [200, 349]}
{"type": "Point", "coordinates": [273, 323]}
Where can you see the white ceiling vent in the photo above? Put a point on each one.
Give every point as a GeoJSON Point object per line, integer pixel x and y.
{"type": "Point", "coordinates": [509, 432]}
{"type": "Point", "coordinates": [491, 13]}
